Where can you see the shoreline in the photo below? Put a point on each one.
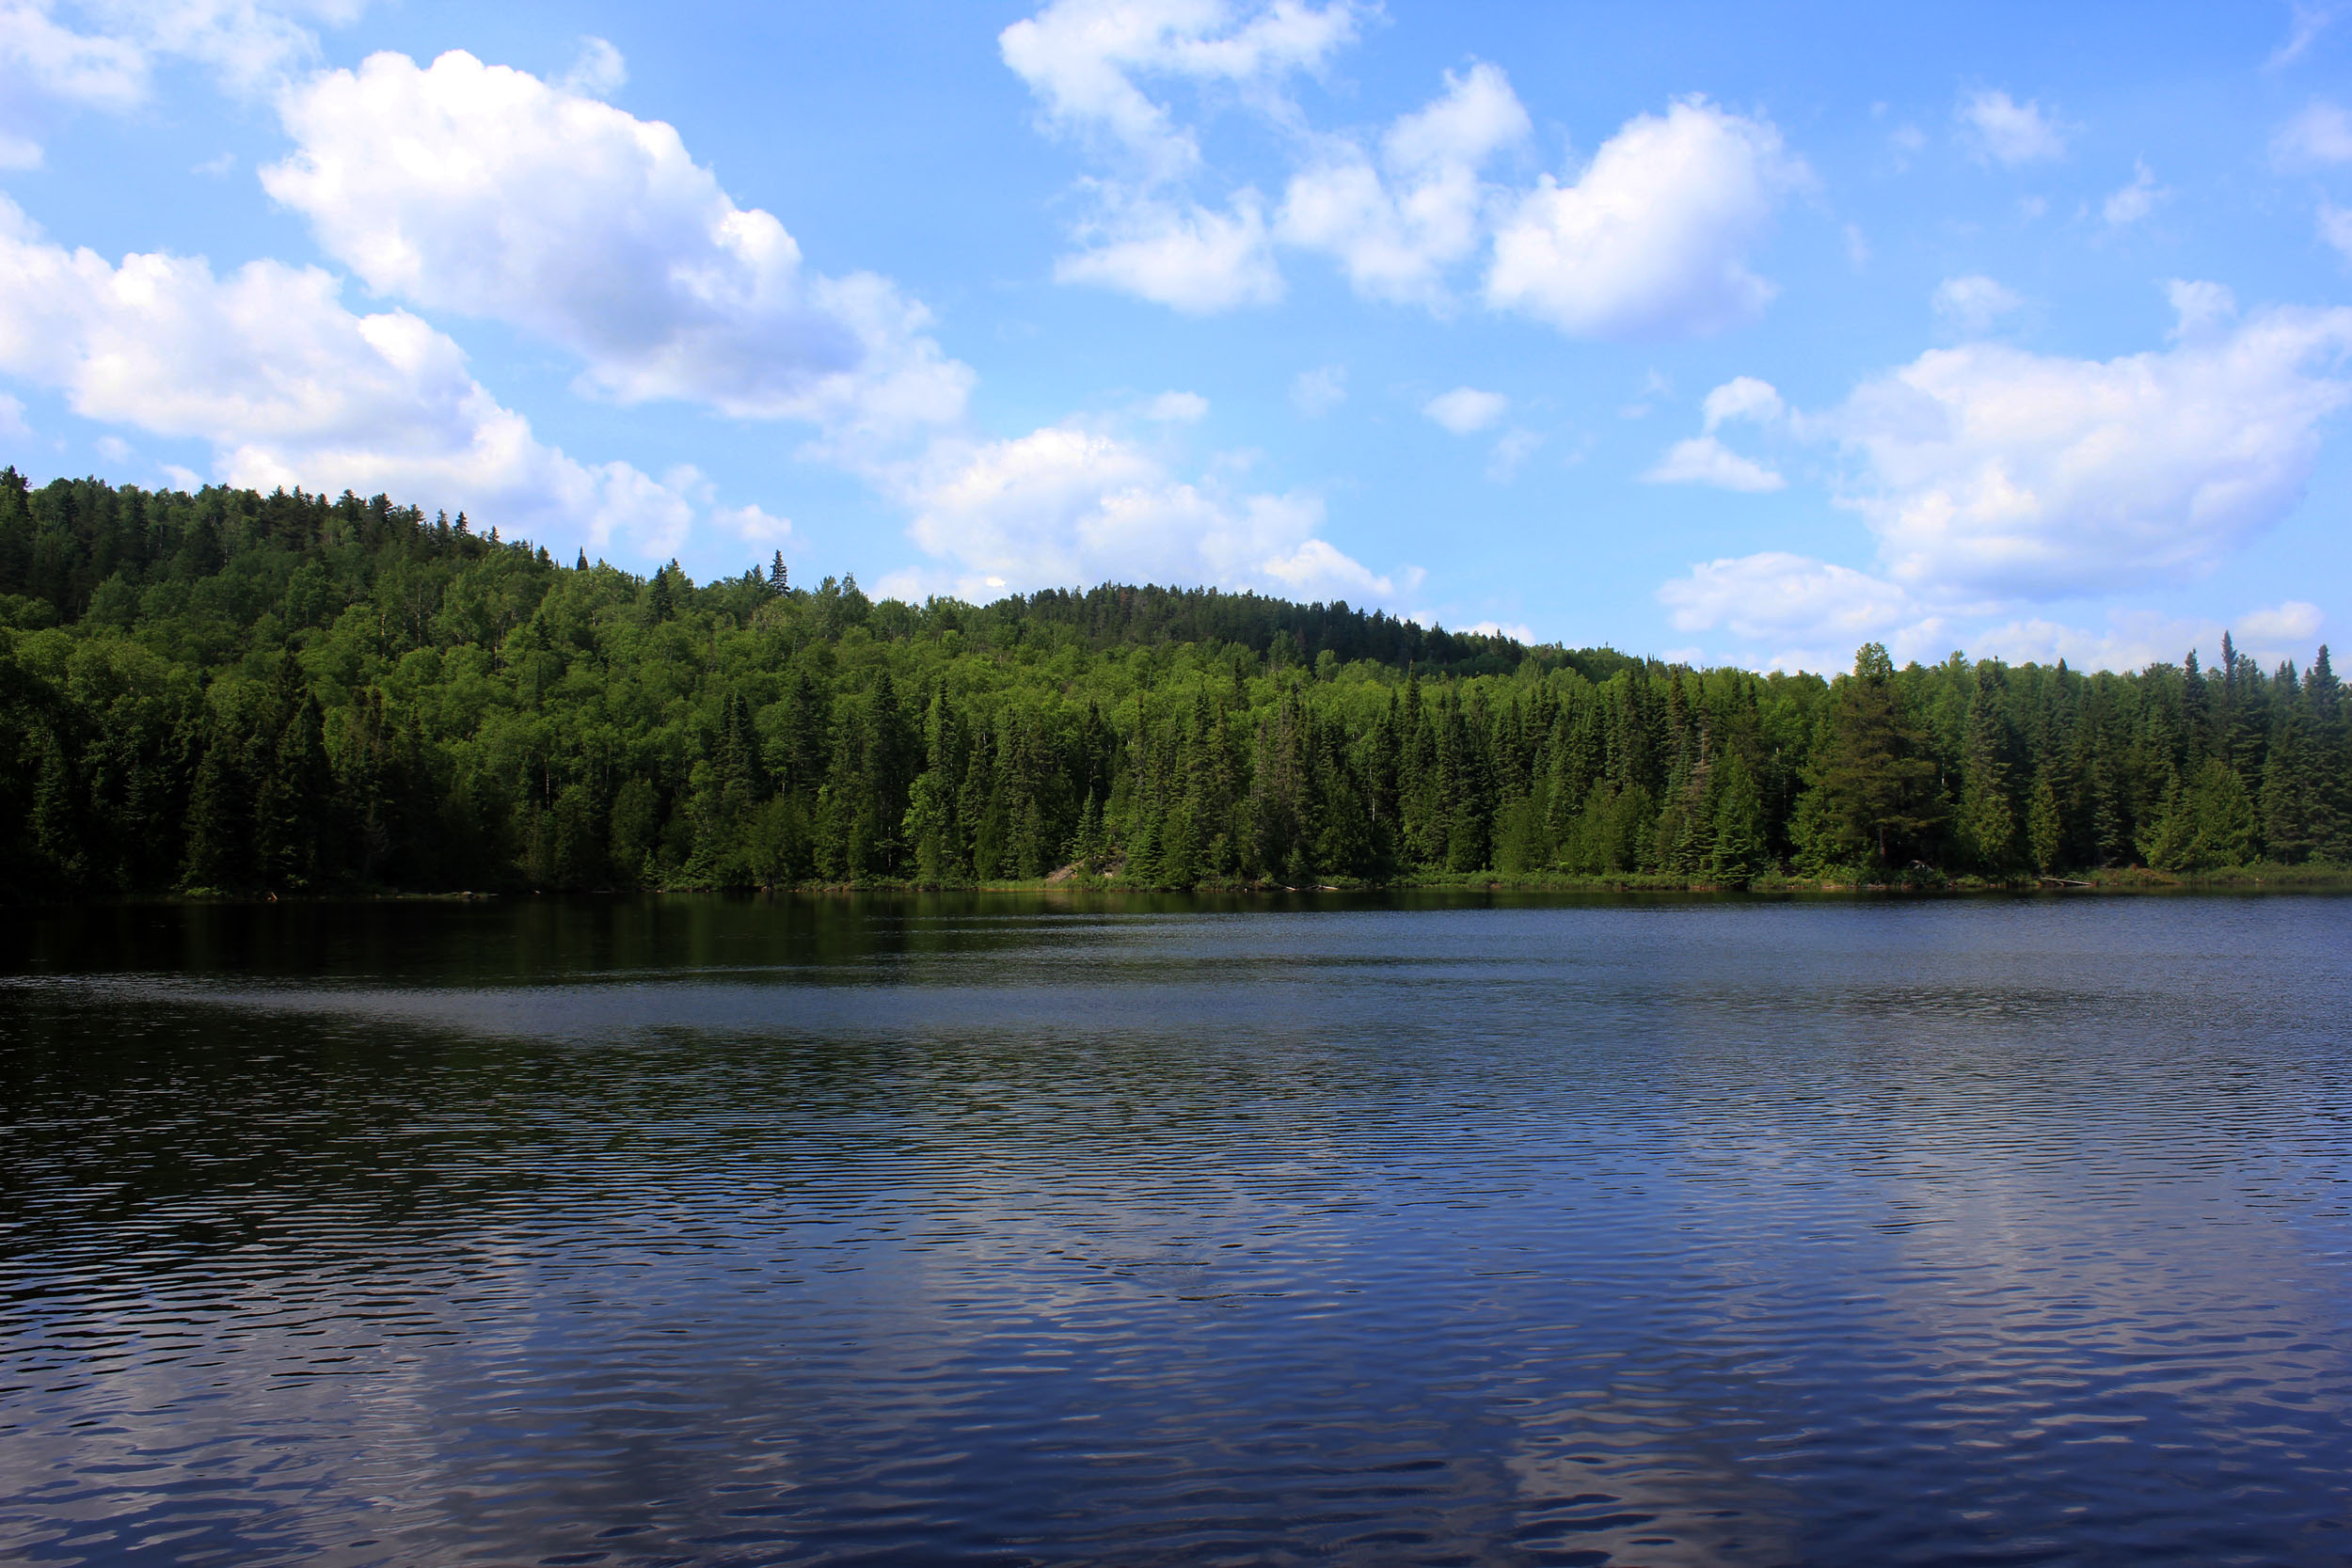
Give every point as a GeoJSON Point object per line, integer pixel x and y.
{"type": "Point", "coordinates": [2239, 880]}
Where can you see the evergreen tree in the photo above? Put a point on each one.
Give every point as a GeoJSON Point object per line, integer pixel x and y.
{"type": "Point", "coordinates": [251, 693]}
{"type": "Point", "coordinates": [220, 832]}
{"type": "Point", "coordinates": [2295, 809]}
{"type": "Point", "coordinates": [1876, 791]}
{"type": "Point", "coordinates": [930, 808]}
{"type": "Point", "coordinates": [980, 805]}
{"type": "Point", "coordinates": [2044, 832]}
{"type": "Point", "coordinates": [2227, 830]}
{"type": "Point", "coordinates": [1986, 822]}
{"type": "Point", "coordinates": [56, 831]}
{"type": "Point", "coordinates": [1737, 853]}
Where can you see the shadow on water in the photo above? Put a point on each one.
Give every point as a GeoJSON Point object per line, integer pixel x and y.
{"type": "Point", "coordinates": [532, 937]}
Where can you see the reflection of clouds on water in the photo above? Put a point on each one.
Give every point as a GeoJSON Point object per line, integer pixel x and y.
{"type": "Point", "coordinates": [2034, 1215]}
{"type": "Point", "coordinates": [1675, 1233]}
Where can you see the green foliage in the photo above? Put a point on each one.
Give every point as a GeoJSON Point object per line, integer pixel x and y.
{"type": "Point", "coordinates": [1741, 853]}
{"type": "Point", "coordinates": [1878, 793]}
{"type": "Point", "coordinates": [237, 692]}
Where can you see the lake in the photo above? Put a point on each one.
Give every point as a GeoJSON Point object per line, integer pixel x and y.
{"type": "Point", "coordinates": [1013, 1229]}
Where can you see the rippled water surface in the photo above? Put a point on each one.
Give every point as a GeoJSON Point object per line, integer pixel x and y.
{"type": "Point", "coordinates": [999, 1230]}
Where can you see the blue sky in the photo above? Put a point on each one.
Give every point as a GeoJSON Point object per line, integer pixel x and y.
{"type": "Point", "coordinates": [1702, 331]}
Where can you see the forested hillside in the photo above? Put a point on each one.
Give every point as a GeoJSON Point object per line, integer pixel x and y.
{"type": "Point", "coordinates": [237, 692]}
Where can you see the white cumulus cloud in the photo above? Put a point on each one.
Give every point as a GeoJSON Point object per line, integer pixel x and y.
{"type": "Point", "coordinates": [1084, 61]}
{"type": "Point", "coordinates": [1809, 614]}
{"type": "Point", "coordinates": [1743, 397]}
{"type": "Point", "coordinates": [753, 525]}
{"type": "Point", "coordinates": [1065, 505]}
{"type": "Point", "coordinates": [45, 55]}
{"type": "Point", "coordinates": [485, 190]}
{"type": "Point", "coordinates": [1993, 479]}
{"type": "Point", "coordinates": [1987, 469]}
{"type": "Point", "coordinates": [2011, 133]}
{"type": "Point", "coordinates": [2132, 640]}
{"type": "Point", "coordinates": [1653, 238]}
{"type": "Point", "coordinates": [1180, 255]}
{"type": "Point", "coordinates": [1467, 410]}
{"type": "Point", "coordinates": [1705, 460]}
{"type": "Point", "coordinates": [1397, 221]}
{"type": "Point", "coordinates": [1518, 632]}
{"type": "Point", "coordinates": [1088, 64]}
{"type": "Point", "coordinates": [288, 387]}
{"type": "Point", "coordinates": [249, 45]}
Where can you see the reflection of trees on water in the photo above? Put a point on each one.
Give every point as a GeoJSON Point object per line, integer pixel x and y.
{"type": "Point", "coordinates": [1651, 1229]}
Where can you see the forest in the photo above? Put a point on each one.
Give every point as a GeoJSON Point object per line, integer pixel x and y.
{"type": "Point", "coordinates": [233, 693]}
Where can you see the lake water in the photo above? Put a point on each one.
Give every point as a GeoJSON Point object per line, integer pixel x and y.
{"type": "Point", "coordinates": [1646, 1231]}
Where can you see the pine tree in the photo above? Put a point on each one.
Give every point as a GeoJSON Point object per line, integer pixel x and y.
{"type": "Point", "coordinates": [929, 805]}
{"type": "Point", "coordinates": [1090, 847]}
{"type": "Point", "coordinates": [1470, 797]}
{"type": "Point", "coordinates": [981, 805]}
{"type": "Point", "coordinates": [2295, 812]}
{"type": "Point", "coordinates": [2044, 831]}
{"type": "Point", "coordinates": [1739, 853]}
{"type": "Point", "coordinates": [56, 831]}
{"type": "Point", "coordinates": [2227, 830]}
{"type": "Point", "coordinates": [2331, 759]}
{"type": "Point", "coordinates": [220, 823]}
{"type": "Point", "coordinates": [1987, 826]}
{"type": "Point", "coordinates": [2196, 716]}
{"type": "Point", "coordinates": [2109, 828]}
{"type": "Point", "coordinates": [1142, 865]}
{"type": "Point", "coordinates": [1876, 789]}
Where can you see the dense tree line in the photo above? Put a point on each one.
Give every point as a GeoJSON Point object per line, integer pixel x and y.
{"type": "Point", "coordinates": [240, 692]}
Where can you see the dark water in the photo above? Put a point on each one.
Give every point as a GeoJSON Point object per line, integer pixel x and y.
{"type": "Point", "coordinates": [696, 1231]}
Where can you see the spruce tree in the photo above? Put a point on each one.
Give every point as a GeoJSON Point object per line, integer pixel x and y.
{"type": "Point", "coordinates": [2228, 828]}
{"type": "Point", "coordinates": [1986, 822]}
{"type": "Point", "coordinates": [929, 806]}
{"type": "Point", "coordinates": [1877, 793]}
{"type": "Point", "coordinates": [219, 831]}
{"type": "Point", "coordinates": [2293, 811]}
{"type": "Point", "coordinates": [2044, 830]}
{"type": "Point", "coordinates": [56, 831]}
{"type": "Point", "coordinates": [979, 810]}
{"type": "Point", "coordinates": [1739, 853]}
